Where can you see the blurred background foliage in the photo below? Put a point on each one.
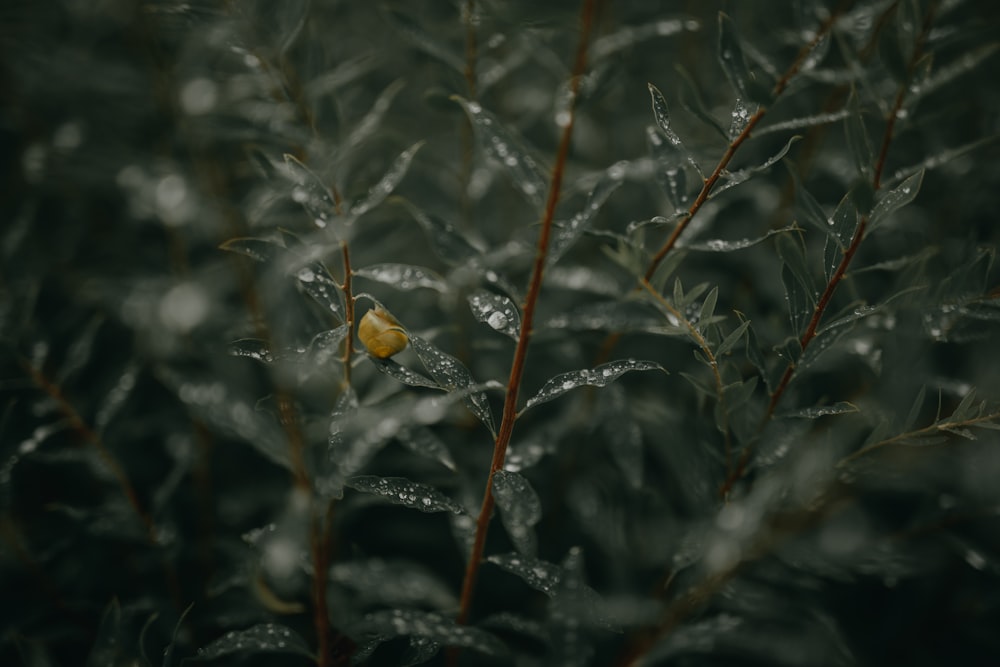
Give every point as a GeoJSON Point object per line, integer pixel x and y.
{"type": "Point", "coordinates": [169, 411]}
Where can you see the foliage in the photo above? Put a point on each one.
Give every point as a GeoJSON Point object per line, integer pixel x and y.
{"type": "Point", "coordinates": [701, 306]}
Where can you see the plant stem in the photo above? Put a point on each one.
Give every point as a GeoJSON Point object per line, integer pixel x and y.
{"type": "Point", "coordinates": [527, 317]}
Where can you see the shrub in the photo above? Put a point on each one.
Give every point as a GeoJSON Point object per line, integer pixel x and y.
{"type": "Point", "coordinates": [700, 306]}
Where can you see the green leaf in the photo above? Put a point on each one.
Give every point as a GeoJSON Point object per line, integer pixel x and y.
{"type": "Point", "coordinates": [520, 509]}
{"type": "Point", "coordinates": [691, 100]}
{"type": "Point", "coordinates": [404, 276]}
{"type": "Point", "coordinates": [257, 249]}
{"type": "Point", "coordinates": [381, 190]}
{"type": "Point", "coordinates": [401, 491]}
{"type": "Point", "coordinates": [723, 245]}
{"type": "Point", "coordinates": [729, 342]}
{"type": "Point", "coordinates": [844, 221]}
{"type": "Point", "coordinates": [734, 64]}
{"type": "Point", "coordinates": [567, 233]}
{"type": "Point", "coordinates": [452, 374]}
{"type": "Point", "coordinates": [800, 304]}
{"type": "Point", "coordinates": [395, 370]}
{"type": "Point", "coordinates": [266, 637]}
{"type": "Point", "coordinates": [670, 172]}
{"type": "Point", "coordinates": [509, 150]}
{"type": "Point", "coordinates": [661, 113]}
{"type": "Point", "coordinates": [895, 199]}
{"type": "Point", "coordinates": [497, 311]}
{"type": "Point", "coordinates": [734, 178]}
{"type": "Point", "coordinates": [708, 309]}
{"type": "Point", "coordinates": [801, 122]}
{"type": "Point", "coordinates": [821, 411]}
{"type": "Point", "coordinates": [388, 623]}
{"type": "Point", "coordinates": [446, 240]}
{"type": "Point", "coordinates": [540, 575]}
{"type": "Point", "coordinates": [858, 142]}
{"type": "Point", "coordinates": [311, 193]}
{"type": "Point", "coordinates": [600, 376]}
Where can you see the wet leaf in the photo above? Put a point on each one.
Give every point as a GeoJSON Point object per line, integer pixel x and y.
{"type": "Point", "coordinates": [447, 242]}
{"type": "Point", "coordinates": [417, 36]}
{"type": "Point", "coordinates": [538, 574]}
{"type": "Point", "coordinates": [821, 411]}
{"type": "Point", "coordinates": [393, 582]}
{"type": "Point", "coordinates": [804, 121]}
{"type": "Point", "coordinates": [381, 190]}
{"type": "Point", "coordinates": [401, 491]}
{"type": "Point", "coordinates": [661, 113]}
{"type": "Point", "coordinates": [371, 121]}
{"type": "Point", "coordinates": [520, 509]}
{"type": "Point", "coordinates": [600, 376]}
{"type": "Point", "coordinates": [266, 637]}
{"type": "Point", "coordinates": [452, 374]}
{"type": "Point", "coordinates": [731, 58]}
{"type": "Point", "coordinates": [404, 276]}
{"type": "Point", "coordinates": [251, 348]}
{"type": "Point", "coordinates": [317, 282]}
{"type": "Point", "coordinates": [734, 178]}
{"type": "Point", "coordinates": [567, 233]}
{"type": "Point", "coordinates": [730, 341]}
{"type": "Point", "coordinates": [443, 630]}
{"type": "Point", "coordinates": [497, 311]}
{"type": "Point", "coordinates": [622, 434]}
{"type": "Point", "coordinates": [691, 100]}
{"type": "Point", "coordinates": [396, 370]}
{"type": "Point", "coordinates": [311, 193]}
{"type": "Point", "coordinates": [858, 141]}
{"type": "Point", "coordinates": [800, 305]}
{"type": "Point", "coordinates": [257, 249]}
{"type": "Point", "coordinates": [422, 441]}
{"type": "Point", "coordinates": [502, 145]}
{"type": "Point", "coordinates": [627, 36]}
{"type": "Point", "coordinates": [895, 199]}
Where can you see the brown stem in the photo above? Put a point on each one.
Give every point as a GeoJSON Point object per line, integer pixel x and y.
{"type": "Point", "coordinates": [530, 301]}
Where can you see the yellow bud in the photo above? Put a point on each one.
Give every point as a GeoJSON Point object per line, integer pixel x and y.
{"type": "Point", "coordinates": [381, 333]}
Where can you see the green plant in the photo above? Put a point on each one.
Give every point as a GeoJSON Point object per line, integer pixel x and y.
{"type": "Point", "coordinates": [683, 333]}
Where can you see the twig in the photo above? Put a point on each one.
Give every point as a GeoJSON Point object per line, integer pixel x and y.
{"type": "Point", "coordinates": [527, 317]}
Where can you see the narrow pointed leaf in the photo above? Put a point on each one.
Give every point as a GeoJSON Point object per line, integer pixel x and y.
{"type": "Point", "coordinates": [414, 33]}
{"type": "Point", "coordinates": [661, 113]}
{"type": "Point", "coordinates": [378, 192]}
{"type": "Point", "coordinates": [421, 440]}
{"type": "Point", "coordinates": [401, 491]}
{"type": "Point", "coordinates": [396, 370]}
{"type": "Point", "coordinates": [520, 509]}
{"type": "Point", "coordinates": [670, 172]}
{"type": "Point", "coordinates": [317, 282]}
{"type": "Point", "coordinates": [259, 250]}
{"type": "Point", "coordinates": [804, 121]}
{"type": "Point", "coordinates": [496, 310]}
{"type": "Point", "coordinates": [266, 637]}
{"type": "Point", "coordinates": [538, 574]}
{"type": "Point", "coordinates": [388, 623]}
{"type": "Point", "coordinates": [600, 376]}
{"type": "Point", "coordinates": [691, 100]}
{"type": "Point", "coordinates": [895, 199]}
{"type": "Point", "coordinates": [628, 36]}
{"type": "Point", "coordinates": [858, 141]}
{"type": "Point", "coordinates": [822, 411]}
{"type": "Point", "coordinates": [731, 57]}
{"type": "Point", "coordinates": [724, 245]}
{"type": "Point", "coordinates": [504, 146]}
{"type": "Point", "coordinates": [404, 276]}
{"type": "Point", "coordinates": [311, 193]}
{"type": "Point", "coordinates": [452, 374]}
{"type": "Point", "coordinates": [446, 240]}
{"type": "Point", "coordinates": [730, 341]}
{"type": "Point", "coordinates": [844, 221]}
{"type": "Point", "coordinates": [566, 234]}
{"type": "Point", "coordinates": [799, 304]}
{"type": "Point", "coordinates": [734, 178]}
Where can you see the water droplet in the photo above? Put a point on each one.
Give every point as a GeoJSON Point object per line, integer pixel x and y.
{"type": "Point", "coordinates": [497, 320]}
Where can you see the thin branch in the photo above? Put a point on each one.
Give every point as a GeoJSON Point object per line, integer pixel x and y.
{"type": "Point", "coordinates": [527, 318]}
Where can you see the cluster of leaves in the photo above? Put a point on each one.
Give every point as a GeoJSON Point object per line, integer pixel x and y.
{"type": "Point", "coordinates": [704, 318]}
